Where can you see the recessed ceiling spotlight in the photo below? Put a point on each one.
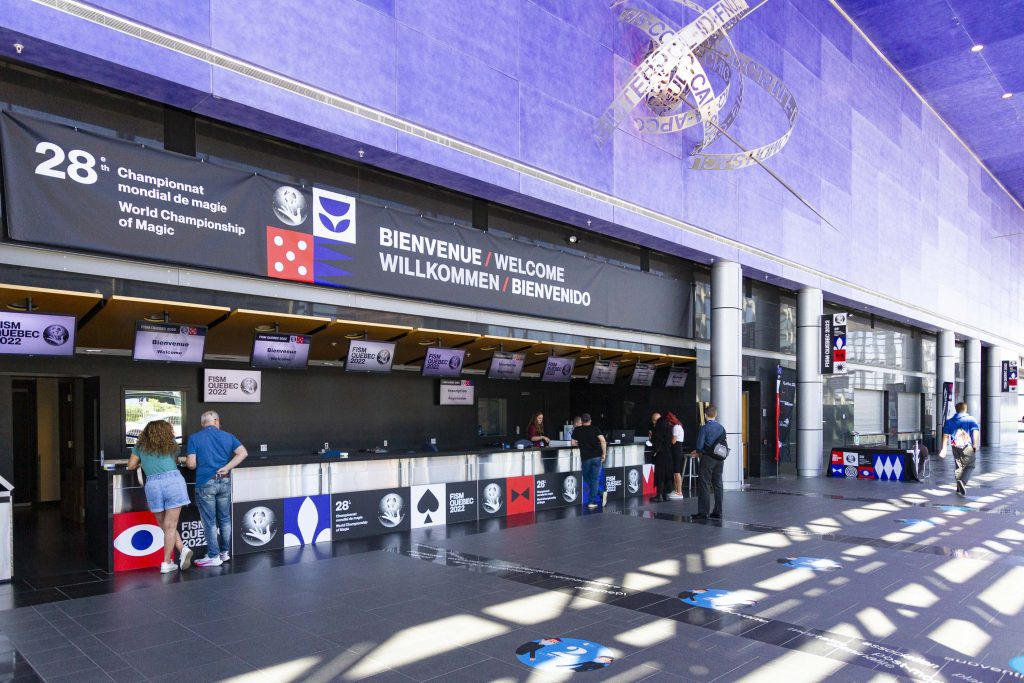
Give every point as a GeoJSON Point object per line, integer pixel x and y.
{"type": "Point", "coordinates": [573, 239]}
{"type": "Point", "coordinates": [977, 48]}
{"type": "Point", "coordinates": [1007, 95]}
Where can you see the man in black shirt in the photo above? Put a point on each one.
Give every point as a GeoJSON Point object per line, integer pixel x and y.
{"type": "Point", "coordinates": [593, 449]}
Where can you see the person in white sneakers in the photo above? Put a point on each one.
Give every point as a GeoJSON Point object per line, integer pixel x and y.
{"type": "Point", "coordinates": [213, 453]}
{"type": "Point", "coordinates": [678, 456]}
{"type": "Point", "coordinates": [157, 453]}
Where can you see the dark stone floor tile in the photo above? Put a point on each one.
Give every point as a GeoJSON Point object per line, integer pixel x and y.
{"type": "Point", "coordinates": [182, 656]}
{"type": "Point", "coordinates": [275, 647]}
{"type": "Point", "coordinates": [129, 639]}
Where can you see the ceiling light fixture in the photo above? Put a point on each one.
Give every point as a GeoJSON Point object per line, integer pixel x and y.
{"type": "Point", "coordinates": [1007, 95]}
{"type": "Point", "coordinates": [977, 48]}
{"type": "Point", "coordinates": [573, 239]}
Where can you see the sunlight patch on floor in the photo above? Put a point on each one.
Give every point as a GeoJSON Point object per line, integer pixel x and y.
{"type": "Point", "coordinates": [730, 553]}
{"type": "Point", "coordinates": [961, 569]}
{"type": "Point", "coordinates": [875, 622]}
{"type": "Point", "coordinates": [1005, 595]}
{"type": "Point", "coordinates": [664, 568]}
{"type": "Point", "coordinates": [913, 595]}
{"type": "Point", "coordinates": [534, 609]}
{"type": "Point", "coordinates": [649, 634]}
{"type": "Point", "coordinates": [422, 642]}
{"type": "Point", "coordinates": [770, 540]}
{"type": "Point", "coordinates": [961, 636]}
{"type": "Point", "coordinates": [286, 671]}
{"type": "Point", "coordinates": [786, 580]}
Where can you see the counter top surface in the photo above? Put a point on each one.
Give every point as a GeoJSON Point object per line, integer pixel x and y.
{"type": "Point", "coordinates": [263, 460]}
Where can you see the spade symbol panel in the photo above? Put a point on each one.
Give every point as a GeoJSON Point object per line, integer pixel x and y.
{"type": "Point", "coordinates": [428, 508]}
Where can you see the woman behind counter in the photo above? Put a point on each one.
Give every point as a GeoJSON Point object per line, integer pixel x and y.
{"type": "Point", "coordinates": [535, 431]}
{"type": "Point", "coordinates": [157, 452]}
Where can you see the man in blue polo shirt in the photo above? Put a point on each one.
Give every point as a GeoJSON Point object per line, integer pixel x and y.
{"type": "Point", "coordinates": [962, 433]}
{"type": "Point", "coordinates": [213, 453]}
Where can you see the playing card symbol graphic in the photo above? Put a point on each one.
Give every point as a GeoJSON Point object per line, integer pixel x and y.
{"type": "Point", "coordinates": [428, 503]}
{"type": "Point", "coordinates": [334, 216]}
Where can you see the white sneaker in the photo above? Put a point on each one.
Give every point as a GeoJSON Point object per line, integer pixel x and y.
{"type": "Point", "coordinates": [224, 557]}
{"type": "Point", "coordinates": [208, 562]}
{"type": "Point", "coordinates": [185, 559]}
{"type": "Point", "coordinates": [675, 496]}
{"type": "Point", "coordinates": [167, 567]}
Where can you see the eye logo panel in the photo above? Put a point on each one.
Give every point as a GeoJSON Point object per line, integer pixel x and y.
{"type": "Point", "coordinates": [138, 542]}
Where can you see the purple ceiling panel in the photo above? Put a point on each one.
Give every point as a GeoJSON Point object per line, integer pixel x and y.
{"type": "Point", "coordinates": [929, 42]}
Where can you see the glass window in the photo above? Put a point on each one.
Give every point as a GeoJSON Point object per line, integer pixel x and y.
{"type": "Point", "coordinates": [491, 417]}
{"type": "Point", "coordinates": [869, 411]}
{"type": "Point", "coordinates": [142, 406]}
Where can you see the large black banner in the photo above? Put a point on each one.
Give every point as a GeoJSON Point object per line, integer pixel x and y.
{"type": "Point", "coordinates": [78, 190]}
{"type": "Point", "coordinates": [785, 397]}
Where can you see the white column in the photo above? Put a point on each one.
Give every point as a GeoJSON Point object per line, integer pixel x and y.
{"type": "Point", "coordinates": [972, 379]}
{"type": "Point", "coordinates": [945, 371]}
{"type": "Point", "coordinates": [726, 362]}
{"type": "Point", "coordinates": [991, 427]}
{"type": "Point", "coordinates": [809, 447]}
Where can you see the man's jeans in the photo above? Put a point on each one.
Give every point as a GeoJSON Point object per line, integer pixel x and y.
{"type": "Point", "coordinates": [214, 499]}
{"type": "Point", "coordinates": [964, 459]}
{"type": "Point", "coordinates": [592, 475]}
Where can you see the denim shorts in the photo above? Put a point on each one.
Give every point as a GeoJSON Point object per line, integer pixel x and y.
{"type": "Point", "coordinates": [165, 491]}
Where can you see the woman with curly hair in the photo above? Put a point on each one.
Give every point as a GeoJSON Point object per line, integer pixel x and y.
{"type": "Point", "coordinates": [157, 452]}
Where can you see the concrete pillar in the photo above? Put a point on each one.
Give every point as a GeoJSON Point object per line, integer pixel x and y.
{"type": "Point", "coordinates": [726, 362]}
{"type": "Point", "coordinates": [972, 379]}
{"type": "Point", "coordinates": [809, 447]}
{"type": "Point", "coordinates": [991, 426]}
{"type": "Point", "coordinates": [945, 371]}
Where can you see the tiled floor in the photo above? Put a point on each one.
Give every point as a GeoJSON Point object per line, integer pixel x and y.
{"type": "Point", "coordinates": [939, 597]}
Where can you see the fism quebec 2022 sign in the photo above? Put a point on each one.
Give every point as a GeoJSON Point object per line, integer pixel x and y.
{"type": "Point", "coordinates": [79, 190]}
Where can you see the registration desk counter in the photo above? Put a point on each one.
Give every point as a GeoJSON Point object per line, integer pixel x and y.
{"type": "Point", "coordinates": [302, 499]}
{"type": "Point", "coordinates": [299, 501]}
{"type": "Point", "coordinates": [123, 533]}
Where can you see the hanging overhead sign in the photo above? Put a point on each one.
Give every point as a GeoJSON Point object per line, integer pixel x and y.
{"type": "Point", "coordinates": [232, 386]}
{"type": "Point", "coordinates": [78, 190]}
{"type": "Point", "coordinates": [36, 334]}
{"type": "Point", "coordinates": [1009, 376]}
{"type": "Point", "coordinates": [833, 344]}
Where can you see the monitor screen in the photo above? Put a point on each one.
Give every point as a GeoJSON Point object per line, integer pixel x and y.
{"type": "Point", "coordinates": [643, 374]}
{"type": "Point", "coordinates": [676, 377]}
{"type": "Point", "coordinates": [442, 362]}
{"type": "Point", "coordinates": [456, 392]}
{"type": "Point", "coordinates": [169, 342]}
{"type": "Point", "coordinates": [274, 350]}
{"type": "Point", "coordinates": [604, 372]}
{"type": "Point", "coordinates": [506, 365]}
{"type": "Point", "coordinates": [370, 356]}
{"type": "Point", "coordinates": [36, 334]}
{"type": "Point", "coordinates": [558, 369]}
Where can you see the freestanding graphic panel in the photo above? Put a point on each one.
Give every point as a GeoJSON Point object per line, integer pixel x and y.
{"type": "Point", "coordinates": [369, 513]}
